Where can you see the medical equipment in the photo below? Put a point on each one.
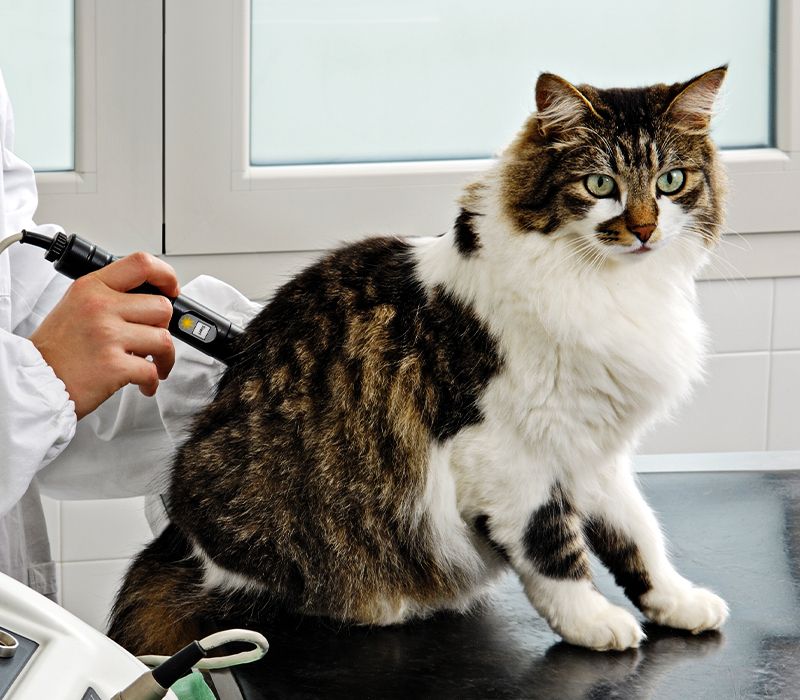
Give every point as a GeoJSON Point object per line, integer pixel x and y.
{"type": "Point", "coordinates": [191, 322]}
{"type": "Point", "coordinates": [50, 653]}
{"type": "Point", "coordinates": [57, 656]}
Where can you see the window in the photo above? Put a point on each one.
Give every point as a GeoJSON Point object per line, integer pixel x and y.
{"type": "Point", "coordinates": [438, 79]}
{"type": "Point", "coordinates": [85, 78]}
{"type": "Point", "coordinates": [37, 58]}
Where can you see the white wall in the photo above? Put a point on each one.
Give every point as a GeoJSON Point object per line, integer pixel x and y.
{"type": "Point", "coordinates": [751, 398]}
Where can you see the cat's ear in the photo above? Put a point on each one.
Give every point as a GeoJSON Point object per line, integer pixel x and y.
{"type": "Point", "coordinates": [560, 105]}
{"type": "Point", "coordinates": [693, 106]}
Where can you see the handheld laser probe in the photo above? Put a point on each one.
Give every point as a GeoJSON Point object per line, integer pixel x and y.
{"type": "Point", "coordinates": [191, 322]}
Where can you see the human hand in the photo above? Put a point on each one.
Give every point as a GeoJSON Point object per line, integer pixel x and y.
{"type": "Point", "coordinates": [97, 337]}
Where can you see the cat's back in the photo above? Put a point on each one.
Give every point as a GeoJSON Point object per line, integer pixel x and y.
{"type": "Point", "coordinates": [312, 460]}
{"type": "Point", "coordinates": [318, 439]}
{"type": "Point", "coordinates": [360, 330]}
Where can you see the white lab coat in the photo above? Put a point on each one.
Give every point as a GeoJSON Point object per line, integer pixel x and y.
{"type": "Point", "coordinates": [121, 449]}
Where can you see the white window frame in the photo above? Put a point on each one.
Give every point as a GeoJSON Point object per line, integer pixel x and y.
{"type": "Point", "coordinates": [244, 223]}
{"type": "Point", "coordinates": [114, 194]}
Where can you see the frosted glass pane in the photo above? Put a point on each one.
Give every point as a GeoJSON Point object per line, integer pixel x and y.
{"type": "Point", "coordinates": [37, 58]}
{"type": "Point", "coordinates": [373, 80]}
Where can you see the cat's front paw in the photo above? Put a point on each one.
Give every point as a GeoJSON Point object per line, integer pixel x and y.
{"type": "Point", "coordinates": [685, 607]}
{"type": "Point", "coordinates": [605, 629]}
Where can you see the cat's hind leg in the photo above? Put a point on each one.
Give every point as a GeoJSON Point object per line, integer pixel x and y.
{"type": "Point", "coordinates": [624, 533]}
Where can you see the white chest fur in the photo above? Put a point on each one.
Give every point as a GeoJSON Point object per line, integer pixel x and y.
{"type": "Point", "coordinates": [591, 391]}
{"type": "Point", "coordinates": [590, 356]}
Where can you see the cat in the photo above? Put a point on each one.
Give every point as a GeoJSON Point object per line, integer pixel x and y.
{"type": "Point", "coordinates": [407, 418]}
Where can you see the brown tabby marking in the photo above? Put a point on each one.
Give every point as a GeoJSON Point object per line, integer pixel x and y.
{"type": "Point", "coordinates": [466, 237]}
{"type": "Point", "coordinates": [465, 234]}
{"type": "Point", "coordinates": [159, 596]}
{"type": "Point", "coordinates": [621, 230]}
{"type": "Point", "coordinates": [621, 555]}
{"type": "Point", "coordinates": [554, 541]}
{"type": "Point", "coordinates": [482, 527]}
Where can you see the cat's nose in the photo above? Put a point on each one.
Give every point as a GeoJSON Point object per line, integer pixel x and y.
{"type": "Point", "coordinates": [643, 231]}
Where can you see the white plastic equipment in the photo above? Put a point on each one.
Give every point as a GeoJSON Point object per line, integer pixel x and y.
{"type": "Point", "coordinates": [71, 658]}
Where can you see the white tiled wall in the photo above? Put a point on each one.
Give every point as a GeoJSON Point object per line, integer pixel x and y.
{"type": "Point", "coordinates": [751, 398]}
{"type": "Point", "coordinates": [750, 402]}
{"type": "Point", "coordinates": [92, 543]}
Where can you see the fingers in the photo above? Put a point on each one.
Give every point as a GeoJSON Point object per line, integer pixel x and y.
{"type": "Point", "coordinates": [97, 337]}
{"type": "Point", "coordinates": [156, 342]}
{"type": "Point", "coordinates": [147, 309]}
{"type": "Point", "coordinates": [136, 269]}
{"type": "Point", "coordinates": [147, 316]}
{"type": "Point", "coordinates": [142, 373]}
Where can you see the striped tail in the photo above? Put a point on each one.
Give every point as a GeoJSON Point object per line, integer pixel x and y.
{"type": "Point", "coordinates": [162, 604]}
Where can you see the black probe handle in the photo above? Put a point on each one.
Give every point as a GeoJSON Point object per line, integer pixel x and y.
{"type": "Point", "coordinates": [191, 322]}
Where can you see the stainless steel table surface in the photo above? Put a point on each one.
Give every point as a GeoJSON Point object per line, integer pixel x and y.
{"type": "Point", "coordinates": [736, 532]}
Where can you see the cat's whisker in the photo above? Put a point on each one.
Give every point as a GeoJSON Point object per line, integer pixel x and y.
{"type": "Point", "coordinates": [589, 260]}
{"type": "Point", "coordinates": [584, 259]}
{"type": "Point", "coordinates": [578, 249]}
{"type": "Point", "coordinates": [723, 242]}
{"type": "Point", "coordinates": [728, 231]}
{"type": "Point", "coordinates": [716, 259]}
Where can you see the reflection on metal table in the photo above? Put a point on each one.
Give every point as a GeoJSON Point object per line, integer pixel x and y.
{"type": "Point", "coordinates": [735, 532]}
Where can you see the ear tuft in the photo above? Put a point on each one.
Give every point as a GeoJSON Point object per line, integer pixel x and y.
{"type": "Point", "coordinates": [693, 107]}
{"type": "Point", "coordinates": [560, 105]}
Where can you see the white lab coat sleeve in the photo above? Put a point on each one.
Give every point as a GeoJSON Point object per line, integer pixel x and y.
{"type": "Point", "coordinates": [37, 417]}
{"type": "Point", "coordinates": [124, 448]}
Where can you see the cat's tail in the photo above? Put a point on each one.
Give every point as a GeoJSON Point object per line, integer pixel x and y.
{"type": "Point", "coordinates": [162, 604]}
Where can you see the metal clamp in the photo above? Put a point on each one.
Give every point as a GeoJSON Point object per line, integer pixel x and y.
{"type": "Point", "coordinates": [8, 645]}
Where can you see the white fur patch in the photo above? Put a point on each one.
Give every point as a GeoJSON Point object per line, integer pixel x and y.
{"type": "Point", "coordinates": [216, 576]}
{"type": "Point", "coordinates": [451, 535]}
{"type": "Point", "coordinates": [582, 616]}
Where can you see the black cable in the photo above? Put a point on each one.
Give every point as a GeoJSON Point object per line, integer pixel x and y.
{"type": "Point", "coordinates": [37, 239]}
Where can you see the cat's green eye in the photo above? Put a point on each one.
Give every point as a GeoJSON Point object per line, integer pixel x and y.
{"type": "Point", "coordinates": [600, 185]}
{"type": "Point", "coordinates": [671, 181]}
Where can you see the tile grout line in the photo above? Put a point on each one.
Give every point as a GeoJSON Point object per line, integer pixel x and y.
{"type": "Point", "coordinates": [58, 562]}
{"type": "Point", "coordinates": [769, 366]}
{"type": "Point", "coordinates": [60, 530]}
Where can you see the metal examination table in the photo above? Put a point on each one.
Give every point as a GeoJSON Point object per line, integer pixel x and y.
{"type": "Point", "coordinates": [736, 532]}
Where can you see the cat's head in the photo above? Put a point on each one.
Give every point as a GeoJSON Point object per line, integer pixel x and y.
{"type": "Point", "coordinates": [624, 172]}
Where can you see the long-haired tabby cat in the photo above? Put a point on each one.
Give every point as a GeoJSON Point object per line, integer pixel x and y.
{"type": "Point", "coordinates": [409, 417]}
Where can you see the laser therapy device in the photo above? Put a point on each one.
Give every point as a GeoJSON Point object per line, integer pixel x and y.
{"type": "Point", "coordinates": [191, 322]}
{"type": "Point", "coordinates": [45, 651]}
